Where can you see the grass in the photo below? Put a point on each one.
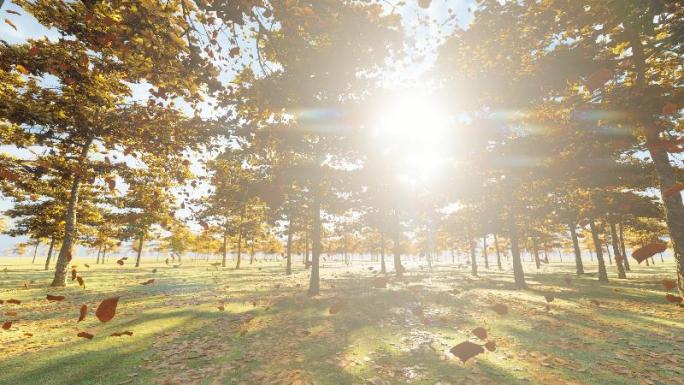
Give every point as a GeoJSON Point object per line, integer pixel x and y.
{"type": "Point", "coordinates": [271, 332]}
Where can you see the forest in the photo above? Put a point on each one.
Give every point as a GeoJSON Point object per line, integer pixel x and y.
{"type": "Point", "coordinates": [357, 192]}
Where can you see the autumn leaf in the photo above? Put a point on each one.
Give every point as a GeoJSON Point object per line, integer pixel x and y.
{"type": "Point", "coordinates": [85, 335]}
{"type": "Point", "coordinates": [124, 333]}
{"type": "Point", "coordinates": [648, 251]}
{"type": "Point", "coordinates": [11, 313]}
{"type": "Point", "coordinates": [55, 298]}
{"type": "Point", "coordinates": [83, 312]}
{"type": "Point", "coordinates": [490, 345]}
{"type": "Point", "coordinates": [13, 12]}
{"type": "Point", "coordinates": [425, 4]}
{"type": "Point", "coordinates": [549, 298]}
{"type": "Point", "coordinates": [13, 301]}
{"type": "Point", "coordinates": [107, 309]}
{"type": "Point", "coordinates": [668, 283]}
{"type": "Point", "coordinates": [149, 281]}
{"type": "Point", "coordinates": [466, 350]}
{"type": "Point", "coordinates": [73, 274]}
{"type": "Point", "coordinates": [22, 69]}
{"type": "Point", "coordinates": [7, 325]}
{"type": "Point", "coordinates": [120, 262]}
{"type": "Point", "coordinates": [672, 190]}
{"type": "Point", "coordinates": [480, 333]}
{"type": "Point", "coordinates": [9, 22]}
{"type": "Point", "coordinates": [500, 309]}
{"type": "Point", "coordinates": [673, 298]}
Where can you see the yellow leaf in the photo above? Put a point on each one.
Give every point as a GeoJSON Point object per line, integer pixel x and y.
{"type": "Point", "coordinates": [22, 69]}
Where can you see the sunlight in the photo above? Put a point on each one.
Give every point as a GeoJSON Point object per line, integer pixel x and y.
{"type": "Point", "coordinates": [414, 129]}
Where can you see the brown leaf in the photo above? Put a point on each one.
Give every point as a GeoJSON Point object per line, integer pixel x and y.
{"type": "Point", "coordinates": [13, 12]}
{"type": "Point", "coordinates": [85, 335]}
{"type": "Point", "coordinates": [11, 313]}
{"type": "Point", "coordinates": [149, 281]}
{"type": "Point", "coordinates": [673, 298]}
{"type": "Point", "coordinates": [57, 298]}
{"type": "Point", "coordinates": [7, 325]}
{"type": "Point", "coordinates": [338, 306]}
{"type": "Point", "coordinates": [672, 190]}
{"type": "Point", "coordinates": [14, 301]}
{"type": "Point", "coordinates": [466, 350]}
{"type": "Point", "coordinates": [83, 313]}
{"type": "Point", "coordinates": [480, 333]}
{"type": "Point", "coordinates": [120, 262]}
{"type": "Point", "coordinates": [221, 308]}
{"type": "Point", "coordinates": [9, 22]}
{"type": "Point", "coordinates": [490, 345]}
{"type": "Point", "coordinates": [107, 309]}
{"type": "Point", "coordinates": [668, 283]}
{"type": "Point", "coordinates": [124, 333]}
{"type": "Point", "coordinates": [80, 281]}
{"type": "Point", "coordinates": [73, 274]}
{"type": "Point", "coordinates": [648, 251]}
{"type": "Point", "coordinates": [595, 302]}
{"type": "Point", "coordinates": [549, 298]}
{"type": "Point", "coordinates": [500, 309]}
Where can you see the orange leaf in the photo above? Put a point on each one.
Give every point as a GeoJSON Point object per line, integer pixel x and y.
{"type": "Point", "coordinates": [11, 313]}
{"type": "Point", "coordinates": [490, 345]}
{"type": "Point", "coordinates": [466, 350]}
{"type": "Point", "coordinates": [14, 301]}
{"type": "Point", "coordinates": [480, 333]}
{"type": "Point", "coordinates": [107, 309]}
{"type": "Point", "coordinates": [7, 325]}
{"type": "Point", "coordinates": [668, 283]}
{"type": "Point", "coordinates": [673, 298]}
{"type": "Point", "coordinates": [57, 298]}
{"type": "Point", "coordinates": [83, 313]}
{"type": "Point", "coordinates": [22, 69]}
{"type": "Point", "coordinates": [85, 335]}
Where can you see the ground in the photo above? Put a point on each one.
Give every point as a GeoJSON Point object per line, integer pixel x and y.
{"type": "Point", "coordinates": [199, 324]}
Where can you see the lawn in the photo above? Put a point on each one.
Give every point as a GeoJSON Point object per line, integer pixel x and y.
{"type": "Point", "coordinates": [198, 324]}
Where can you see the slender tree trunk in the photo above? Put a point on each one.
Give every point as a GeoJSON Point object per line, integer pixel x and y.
{"type": "Point", "coordinates": [35, 252]}
{"type": "Point", "coordinates": [288, 267]}
{"type": "Point", "coordinates": [579, 266]}
{"type": "Point", "coordinates": [239, 240]}
{"type": "Point", "coordinates": [251, 250]}
{"type": "Point", "coordinates": [64, 256]}
{"type": "Point", "coordinates": [225, 248]}
{"type": "Point", "coordinates": [610, 260]}
{"type": "Point", "coordinates": [602, 273]}
{"type": "Point", "coordinates": [518, 272]}
{"type": "Point", "coordinates": [307, 262]}
{"type": "Point", "coordinates": [498, 252]}
{"type": "Point", "coordinates": [535, 250]}
{"type": "Point", "coordinates": [104, 252]}
{"type": "Point", "coordinates": [49, 255]}
{"type": "Point", "coordinates": [484, 252]}
{"type": "Point", "coordinates": [622, 247]}
{"type": "Point", "coordinates": [398, 267]}
{"type": "Point", "coordinates": [473, 259]}
{"type": "Point", "coordinates": [314, 281]}
{"type": "Point", "coordinates": [99, 251]}
{"type": "Point", "coordinates": [383, 268]}
{"type": "Point", "coordinates": [140, 247]}
{"type": "Point", "coordinates": [674, 208]}
{"type": "Point", "coordinates": [616, 251]}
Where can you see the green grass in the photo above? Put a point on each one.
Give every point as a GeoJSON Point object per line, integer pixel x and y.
{"type": "Point", "coordinates": [271, 332]}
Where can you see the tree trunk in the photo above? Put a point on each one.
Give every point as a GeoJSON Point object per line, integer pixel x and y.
{"type": "Point", "coordinates": [104, 252]}
{"type": "Point", "coordinates": [484, 251]}
{"type": "Point", "coordinates": [602, 273]}
{"type": "Point", "coordinates": [49, 255]}
{"type": "Point", "coordinates": [288, 267]}
{"type": "Point", "coordinates": [518, 273]}
{"type": "Point", "coordinates": [498, 252]}
{"type": "Point", "coordinates": [70, 219]}
{"type": "Point", "coordinates": [616, 251]}
{"type": "Point", "coordinates": [473, 260]}
{"type": "Point", "coordinates": [579, 266]}
{"type": "Point", "coordinates": [535, 250]}
{"type": "Point", "coordinates": [610, 260]}
{"type": "Point", "coordinates": [383, 268]}
{"type": "Point", "coordinates": [674, 208]}
{"type": "Point", "coordinates": [251, 250]}
{"type": "Point", "coordinates": [99, 251]}
{"type": "Point", "coordinates": [225, 248]}
{"type": "Point", "coordinates": [239, 241]}
{"type": "Point", "coordinates": [398, 267]}
{"type": "Point", "coordinates": [622, 247]}
{"type": "Point", "coordinates": [314, 281]}
{"type": "Point", "coordinates": [307, 262]}
{"type": "Point", "coordinates": [35, 252]}
{"type": "Point", "coordinates": [140, 247]}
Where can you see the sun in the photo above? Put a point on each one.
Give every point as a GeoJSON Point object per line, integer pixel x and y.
{"type": "Point", "coordinates": [413, 131]}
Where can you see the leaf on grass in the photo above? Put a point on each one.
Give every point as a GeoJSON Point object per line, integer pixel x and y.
{"type": "Point", "coordinates": [490, 345]}
{"type": "Point", "coordinates": [85, 335]}
{"type": "Point", "coordinates": [83, 312]}
{"type": "Point", "coordinates": [124, 333]}
{"type": "Point", "coordinates": [480, 333]}
{"type": "Point", "coordinates": [648, 251]}
{"type": "Point", "coordinates": [149, 281]}
{"type": "Point", "coordinates": [500, 309]}
{"type": "Point", "coordinates": [120, 262]}
{"type": "Point", "coordinates": [107, 309]}
{"type": "Point", "coordinates": [57, 298]}
{"type": "Point", "coordinates": [673, 298]}
{"type": "Point", "coordinates": [28, 334]}
{"type": "Point", "coordinates": [14, 301]}
{"type": "Point", "coordinates": [338, 306]}
{"type": "Point", "coordinates": [549, 298]}
{"type": "Point", "coordinates": [7, 325]}
{"type": "Point", "coordinates": [668, 283]}
{"type": "Point", "coordinates": [466, 350]}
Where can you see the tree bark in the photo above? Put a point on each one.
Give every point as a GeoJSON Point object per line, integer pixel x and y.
{"type": "Point", "coordinates": [616, 251]}
{"type": "Point", "coordinates": [99, 251]}
{"type": "Point", "coordinates": [498, 252]}
{"type": "Point", "coordinates": [140, 247]}
{"type": "Point", "coordinates": [64, 256]}
{"type": "Point", "coordinates": [610, 260]}
{"type": "Point", "coordinates": [314, 281]}
{"type": "Point", "coordinates": [473, 259]}
{"type": "Point", "coordinates": [239, 241]}
{"type": "Point", "coordinates": [484, 252]}
{"type": "Point", "coordinates": [518, 272]}
{"type": "Point", "coordinates": [288, 267]}
{"type": "Point", "coordinates": [579, 266]}
{"type": "Point", "coordinates": [535, 251]}
{"type": "Point", "coordinates": [622, 246]}
{"type": "Point", "coordinates": [383, 268]}
{"type": "Point", "coordinates": [307, 262]}
{"type": "Point", "coordinates": [398, 267]}
{"type": "Point", "coordinates": [35, 252]}
{"type": "Point", "coordinates": [224, 258]}
{"type": "Point", "coordinates": [602, 273]}
{"type": "Point", "coordinates": [49, 255]}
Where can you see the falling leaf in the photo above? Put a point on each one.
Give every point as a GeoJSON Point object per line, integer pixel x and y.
{"type": "Point", "coordinates": [85, 335]}
{"type": "Point", "coordinates": [14, 301]}
{"type": "Point", "coordinates": [28, 334]}
{"type": "Point", "coordinates": [672, 190]}
{"type": "Point", "coordinates": [87, 265]}
{"type": "Point", "coordinates": [500, 309]}
{"type": "Point", "coordinates": [549, 298]}
{"type": "Point", "coordinates": [466, 350]}
{"type": "Point", "coordinates": [80, 281]}
{"type": "Point", "coordinates": [57, 298]}
{"type": "Point", "coordinates": [673, 298]}
{"type": "Point", "coordinates": [83, 312]}
{"type": "Point", "coordinates": [338, 306]}
{"type": "Point", "coordinates": [120, 262]}
{"type": "Point", "coordinates": [7, 325]}
{"type": "Point", "coordinates": [490, 345]}
{"type": "Point", "coordinates": [425, 4]}
{"type": "Point", "coordinates": [480, 333]}
{"type": "Point", "coordinates": [73, 274]}
{"type": "Point", "coordinates": [648, 251]}
{"type": "Point", "coordinates": [668, 283]}
{"type": "Point", "coordinates": [22, 69]}
{"type": "Point", "coordinates": [13, 12]}
{"type": "Point", "coordinates": [107, 309]}
{"type": "Point", "coordinates": [149, 281]}
{"type": "Point", "coordinates": [124, 333]}
{"type": "Point", "coordinates": [9, 22]}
